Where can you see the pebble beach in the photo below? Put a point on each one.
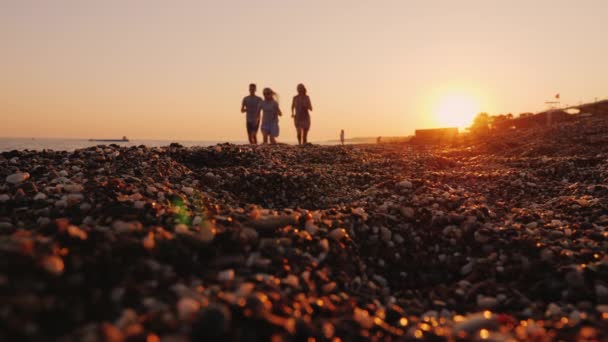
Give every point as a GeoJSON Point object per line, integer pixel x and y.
{"type": "Point", "coordinates": [500, 239]}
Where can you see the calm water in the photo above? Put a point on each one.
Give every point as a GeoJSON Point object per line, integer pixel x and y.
{"type": "Point", "coordinates": [8, 144]}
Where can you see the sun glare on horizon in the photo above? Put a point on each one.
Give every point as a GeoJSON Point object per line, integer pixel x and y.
{"type": "Point", "coordinates": [456, 110]}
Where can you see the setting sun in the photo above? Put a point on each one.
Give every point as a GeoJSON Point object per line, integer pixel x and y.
{"type": "Point", "coordinates": [457, 110]}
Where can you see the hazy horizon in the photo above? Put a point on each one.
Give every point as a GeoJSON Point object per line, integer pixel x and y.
{"type": "Point", "coordinates": [159, 70]}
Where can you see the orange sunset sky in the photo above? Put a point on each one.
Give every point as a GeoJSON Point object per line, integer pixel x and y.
{"type": "Point", "coordinates": [179, 69]}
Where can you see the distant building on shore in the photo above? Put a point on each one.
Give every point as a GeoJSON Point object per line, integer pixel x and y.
{"type": "Point", "coordinates": [435, 136]}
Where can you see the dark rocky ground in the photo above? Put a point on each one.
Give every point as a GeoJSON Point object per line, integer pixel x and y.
{"type": "Point", "coordinates": [502, 238]}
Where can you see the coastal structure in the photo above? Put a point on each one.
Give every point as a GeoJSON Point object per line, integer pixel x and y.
{"type": "Point", "coordinates": [435, 136]}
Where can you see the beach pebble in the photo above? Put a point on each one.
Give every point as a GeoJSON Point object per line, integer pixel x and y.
{"type": "Point", "coordinates": [385, 234]}
{"type": "Point", "coordinates": [182, 229]}
{"type": "Point", "coordinates": [466, 269]}
{"type": "Point", "coordinates": [148, 241]}
{"type": "Point", "coordinates": [248, 235]}
{"type": "Point", "coordinates": [40, 196]}
{"type": "Point", "coordinates": [187, 308]}
{"type": "Point", "coordinates": [5, 226]}
{"type": "Point", "coordinates": [405, 184]}
{"type": "Point", "coordinates": [212, 324]}
{"type": "Point", "coordinates": [486, 302]}
{"type": "Point", "coordinates": [338, 234]}
{"type": "Point", "coordinates": [407, 212]}
{"type": "Point", "coordinates": [53, 265]}
{"type": "Point", "coordinates": [225, 275]}
{"type": "Point", "coordinates": [324, 243]}
{"type": "Point", "coordinates": [207, 231]}
{"type": "Point", "coordinates": [76, 232]}
{"type": "Point", "coordinates": [17, 178]}
{"type": "Point", "coordinates": [197, 220]}
{"type": "Point", "coordinates": [291, 280]}
{"type": "Point", "coordinates": [553, 310]}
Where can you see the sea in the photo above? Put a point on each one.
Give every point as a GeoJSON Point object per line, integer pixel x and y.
{"type": "Point", "coordinates": [57, 144]}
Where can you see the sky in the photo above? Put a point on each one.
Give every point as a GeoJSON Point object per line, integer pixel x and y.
{"type": "Point", "coordinates": [179, 69]}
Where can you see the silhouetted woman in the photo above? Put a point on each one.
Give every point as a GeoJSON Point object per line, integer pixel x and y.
{"type": "Point", "coordinates": [270, 115]}
{"type": "Point", "coordinates": [300, 108]}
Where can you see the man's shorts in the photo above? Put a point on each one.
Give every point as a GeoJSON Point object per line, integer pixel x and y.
{"type": "Point", "coordinates": [252, 127]}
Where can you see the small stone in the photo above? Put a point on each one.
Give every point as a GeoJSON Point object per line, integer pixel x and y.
{"type": "Point", "coordinates": [148, 241]}
{"type": "Point", "coordinates": [248, 235]}
{"type": "Point", "coordinates": [76, 232]}
{"type": "Point", "coordinates": [475, 322]}
{"type": "Point", "coordinates": [338, 234]}
{"type": "Point", "coordinates": [405, 184]}
{"type": "Point", "coordinates": [329, 287]}
{"type": "Point", "coordinates": [187, 308]}
{"type": "Point", "coordinates": [324, 243]}
{"type": "Point", "coordinates": [385, 234]}
{"type": "Point", "coordinates": [407, 212]}
{"type": "Point", "coordinates": [212, 324]}
{"type": "Point", "coordinates": [311, 227]}
{"type": "Point", "coordinates": [182, 229]}
{"type": "Point", "coordinates": [74, 198]}
{"type": "Point", "coordinates": [188, 190]}
{"type": "Point", "coordinates": [73, 188]}
{"type": "Point", "coordinates": [5, 226]}
{"type": "Point", "coordinates": [110, 332]}
{"type": "Point", "coordinates": [226, 275]}
{"type": "Point", "coordinates": [62, 203]}
{"type": "Point", "coordinates": [291, 280]}
{"type": "Point", "coordinates": [207, 232]}
{"type": "Point", "coordinates": [85, 207]}
{"type": "Point", "coordinates": [553, 310]}
{"type": "Point", "coordinates": [601, 291]}
{"type": "Point", "coordinates": [466, 269]}
{"type": "Point", "coordinates": [532, 225]}
{"type": "Point", "coordinates": [486, 302]}
{"type": "Point", "coordinates": [546, 255]}
{"type": "Point", "coordinates": [481, 237]}
{"type": "Point", "coordinates": [53, 265]}
{"type": "Point", "coordinates": [17, 177]}
{"type": "Point", "coordinates": [40, 197]}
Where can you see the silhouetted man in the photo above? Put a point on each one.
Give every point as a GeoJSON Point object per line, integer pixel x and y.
{"type": "Point", "coordinates": [250, 106]}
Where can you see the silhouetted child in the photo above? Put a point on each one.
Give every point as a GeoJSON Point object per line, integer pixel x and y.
{"type": "Point", "coordinates": [342, 137]}
{"type": "Point", "coordinates": [269, 107]}
{"type": "Point", "coordinates": [250, 106]}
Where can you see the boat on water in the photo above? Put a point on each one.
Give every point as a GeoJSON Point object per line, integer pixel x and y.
{"type": "Point", "coordinates": [124, 139]}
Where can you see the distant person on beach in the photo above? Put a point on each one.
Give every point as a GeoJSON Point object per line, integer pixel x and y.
{"type": "Point", "coordinates": [300, 108]}
{"type": "Point", "coordinates": [250, 106]}
{"type": "Point", "coordinates": [269, 107]}
{"type": "Point", "coordinates": [379, 140]}
{"type": "Point", "coordinates": [342, 137]}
